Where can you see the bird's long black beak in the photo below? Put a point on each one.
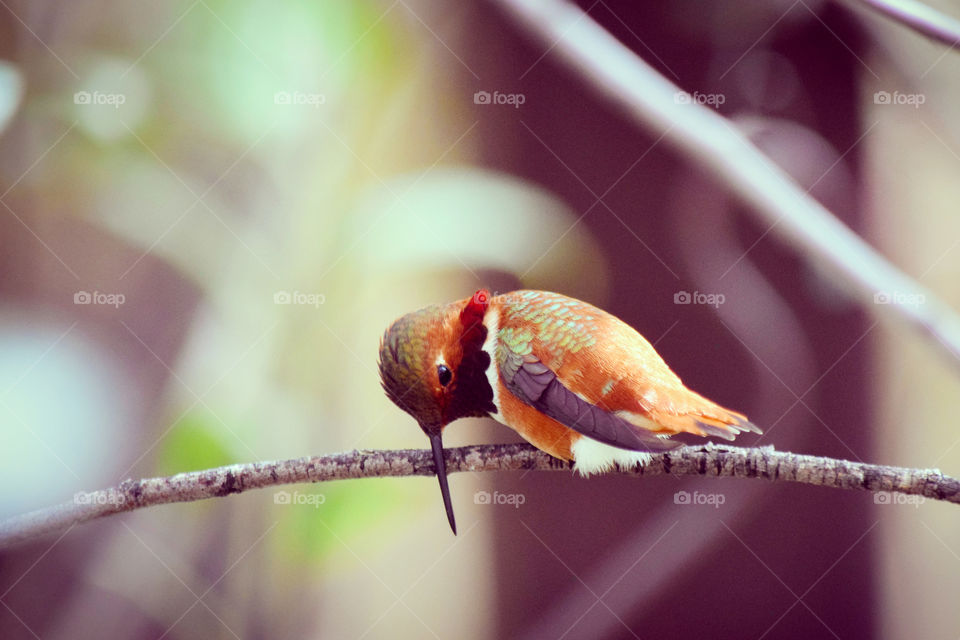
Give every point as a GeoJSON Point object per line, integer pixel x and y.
{"type": "Point", "coordinates": [436, 441]}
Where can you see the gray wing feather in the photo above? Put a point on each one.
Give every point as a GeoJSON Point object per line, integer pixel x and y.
{"type": "Point", "coordinates": [534, 383]}
{"type": "Point", "coordinates": [509, 362]}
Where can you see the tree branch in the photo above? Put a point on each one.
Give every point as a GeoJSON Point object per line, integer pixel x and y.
{"type": "Point", "coordinates": [717, 145]}
{"type": "Point", "coordinates": [704, 460]}
{"type": "Point", "coordinates": [924, 20]}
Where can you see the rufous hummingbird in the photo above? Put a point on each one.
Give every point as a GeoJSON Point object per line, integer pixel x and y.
{"type": "Point", "coordinates": [571, 379]}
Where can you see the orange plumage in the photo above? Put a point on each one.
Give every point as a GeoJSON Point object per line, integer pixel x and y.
{"type": "Point", "coordinates": [604, 361]}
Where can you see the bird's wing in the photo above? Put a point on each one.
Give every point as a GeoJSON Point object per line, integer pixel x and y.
{"type": "Point", "coordinates": [595, 374]}
{"type": "Point", "coordinates": [531, 335]}
{"type": "Point", "coordinates": [527, 378]}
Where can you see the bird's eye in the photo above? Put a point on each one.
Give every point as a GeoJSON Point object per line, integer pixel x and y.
{"type": "Point", "coordinates": [444, 375]}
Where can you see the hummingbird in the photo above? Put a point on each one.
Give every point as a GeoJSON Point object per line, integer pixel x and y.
{"type": "Point", "coordinates": [571, 379]}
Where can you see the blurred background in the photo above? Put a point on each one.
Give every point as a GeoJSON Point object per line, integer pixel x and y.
{"type": "Point", "coordinates": [211, 211]}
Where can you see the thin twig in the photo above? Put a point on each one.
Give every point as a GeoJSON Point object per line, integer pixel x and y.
{"type": "Point", "coordinates": [717, 145]}
{"type": "Point", "coordinates": [703, 460]}
{"type": "Point", "coordinates": [921, 18]}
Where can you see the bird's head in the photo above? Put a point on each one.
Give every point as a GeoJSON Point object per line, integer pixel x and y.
{"type": "Point", "coordinates": [433, 367]}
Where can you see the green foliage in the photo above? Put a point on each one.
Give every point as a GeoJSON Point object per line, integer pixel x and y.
{"type": "Point", "coordinates": [349, 512]}
{"type": "Point", "coordinates": [197, 441]}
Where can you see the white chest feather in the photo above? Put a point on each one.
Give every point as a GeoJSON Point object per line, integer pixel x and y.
{"type": "Point", "coordinates": [492, 322]}
{"type": "Point", "coordinates": [592, 456]}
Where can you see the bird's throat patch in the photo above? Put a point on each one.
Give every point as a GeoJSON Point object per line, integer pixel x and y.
{"type": "Point", "coordinates": [473, 395]}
